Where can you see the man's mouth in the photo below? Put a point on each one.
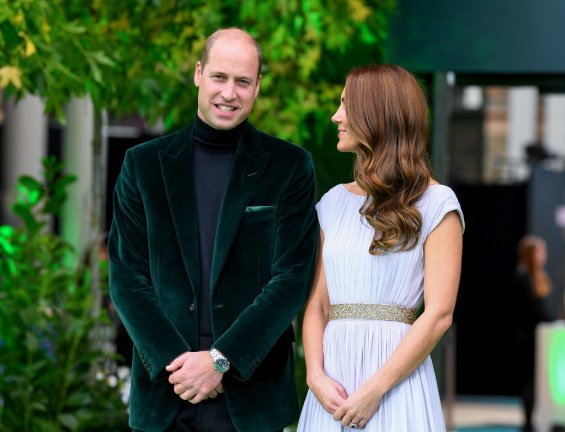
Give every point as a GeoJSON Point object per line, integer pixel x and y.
{"type": "Point", "coordinates": [225, 108]}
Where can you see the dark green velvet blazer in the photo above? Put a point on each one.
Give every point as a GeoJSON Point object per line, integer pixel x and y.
{"type": "Point", "coordinates": [264, 255]}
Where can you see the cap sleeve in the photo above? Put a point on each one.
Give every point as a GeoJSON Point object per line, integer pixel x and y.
{"type": "Point", "coordinates": [326, 205]}
{"type": "Point", "coordinates": [320, 207]}
{"type": "Point", "coordinates": [438, 201]}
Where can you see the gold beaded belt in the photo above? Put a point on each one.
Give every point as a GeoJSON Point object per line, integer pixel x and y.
{"type": "Point", "coordinates": [368, 311]}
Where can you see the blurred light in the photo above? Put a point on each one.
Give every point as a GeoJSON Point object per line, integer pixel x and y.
{"type": "Point", "coordinates": [557, 367]}
{"type": "Point", "coordinates": [472, 98]}
{"type": "Point", "coordinates": [560, 216]}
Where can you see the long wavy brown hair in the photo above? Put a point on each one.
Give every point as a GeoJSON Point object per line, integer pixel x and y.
{"type": "Point", "coordinates": [387, 113]}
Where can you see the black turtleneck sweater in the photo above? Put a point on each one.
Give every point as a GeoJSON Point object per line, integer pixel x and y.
{"type": "Point", "coordinates": [214, 151]}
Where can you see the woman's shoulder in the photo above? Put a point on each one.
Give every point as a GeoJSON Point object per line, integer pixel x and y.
{"type": "Point", "coordinates": [436, 202]}
{"type": "Point", "coordinates": [329, 197]}
{"type": "Point", "coordinates": [327, 204]}
{"type": "Point", "coordinates": [438, 192]}
{"type": "Point", "coordinates": [343, 191]}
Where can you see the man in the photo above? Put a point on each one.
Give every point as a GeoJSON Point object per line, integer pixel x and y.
{"type": "Point", "coordinates": [212, 249]}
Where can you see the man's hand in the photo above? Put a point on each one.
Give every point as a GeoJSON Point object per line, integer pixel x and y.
{"type": "Point", "coordinates": [194, 377]}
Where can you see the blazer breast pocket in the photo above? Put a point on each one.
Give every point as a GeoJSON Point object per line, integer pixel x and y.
{"type": "Point", "coordinates": [255, 214]}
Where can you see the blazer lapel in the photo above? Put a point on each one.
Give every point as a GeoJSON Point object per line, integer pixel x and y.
{"type": "Point", "coordinates": [248, 166]}
{"type": "Point", "coordinates": [178, 177]}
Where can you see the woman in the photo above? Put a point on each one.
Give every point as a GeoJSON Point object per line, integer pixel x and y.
{"type": "Point", "coordinates": [532, 287]}
{"type": "Point", "coordinates": [389, 240]}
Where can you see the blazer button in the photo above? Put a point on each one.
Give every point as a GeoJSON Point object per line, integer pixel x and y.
{"type": "Point", "coordinates": [191, 307]}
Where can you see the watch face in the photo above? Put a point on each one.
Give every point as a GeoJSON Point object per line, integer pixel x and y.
{"type": "Point", "coordinates": [221, 365]}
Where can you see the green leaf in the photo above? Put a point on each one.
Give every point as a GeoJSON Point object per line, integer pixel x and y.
{"type": "Point", "coordinates": [24, 212]}
{"type": "Point", "coordinates": [78, 398]}
{"type": "Point", "coordinates": [50, 377]}
{"type": "Point", "coordinates": [69, 420]}
{"type": "Point", "coordinates": [7, 247]}
{"type": "Point", "coordinates": [6, 231]}
{"type": "Point", "coordinates": [32, 342]}
{"type": "Point", "coordinates": [38, 406]}
{"type": "Point", "coordinates": [74, 27]}
{"type": "Point", "coordinates": [367, 36]}
{"type": "Point", "coordinates": [67, 72]}
{"type": "Point", "coordinates": [30, 188]}
{"type": "Point", "coordinates": [94, 69]}
{"type": "Point", "coordinates": [102, 58]}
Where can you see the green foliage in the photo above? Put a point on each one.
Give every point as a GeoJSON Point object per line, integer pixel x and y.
{"type": "Point", "coordinates": [140, 58]}
{"type": "Point", "coordinates": [47, 357]}
{"type": "Point", "coordinates": [308, 46]}
{"type": "Point", "coordinates": [54, 48]}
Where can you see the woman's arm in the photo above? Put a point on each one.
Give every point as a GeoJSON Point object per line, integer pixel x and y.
{"type": "Point", "coordinates": [330, 394]}
{"type": "Point", "coordinates": [442, 268]}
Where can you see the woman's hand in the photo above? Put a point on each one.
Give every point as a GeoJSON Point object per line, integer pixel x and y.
{"type": "Point", "coordinates": [360, 407]}
{"type": "Point", "coordinates": [329, 393]}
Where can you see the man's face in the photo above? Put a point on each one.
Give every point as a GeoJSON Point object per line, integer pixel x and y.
{"type": "Point", "coordinates": [228, 83]}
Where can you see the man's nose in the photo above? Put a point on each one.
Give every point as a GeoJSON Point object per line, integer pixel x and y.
{"type": "Point", "coordinates": [229, 91]}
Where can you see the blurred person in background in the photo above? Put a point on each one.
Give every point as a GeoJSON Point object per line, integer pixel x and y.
{"type": "Point", "coordinates": [532, 287]}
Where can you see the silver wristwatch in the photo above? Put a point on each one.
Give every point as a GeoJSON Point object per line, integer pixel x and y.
{"type": "Point", "coordinates": [221, 364]}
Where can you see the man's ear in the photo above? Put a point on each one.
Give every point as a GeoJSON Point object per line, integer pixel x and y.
{"type": "Point", "coordinates": [198, 73]}
{"type": "Point", "coordinates": [258, 86]}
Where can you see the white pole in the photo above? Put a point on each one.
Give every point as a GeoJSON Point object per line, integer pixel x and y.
{"type": "Point", "coordinates": [25, 144]}
{"type": "Point", "coordinates": [77, 157]}
{"type": "Point", "coordinates": [554, 124]}
{"type": "Point", "coordinates": [522, 122]}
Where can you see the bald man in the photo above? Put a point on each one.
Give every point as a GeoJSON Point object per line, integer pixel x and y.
{"type": "Point", "coordinates": [212, 250]}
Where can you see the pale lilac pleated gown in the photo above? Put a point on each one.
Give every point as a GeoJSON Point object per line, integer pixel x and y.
{"type": "Point", "coordinates": [356, 349]}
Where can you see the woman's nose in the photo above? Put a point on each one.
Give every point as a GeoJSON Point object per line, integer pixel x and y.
{"type": "Point", "coordinates": [336, 118]}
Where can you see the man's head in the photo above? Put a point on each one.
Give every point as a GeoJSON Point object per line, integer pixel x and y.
{"type": "Point", "coordinates": [228, 78]}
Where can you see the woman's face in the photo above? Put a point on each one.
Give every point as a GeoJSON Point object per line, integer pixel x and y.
{"type": "Point", "coordinates": [346, 142]}
{"type": "Point", "coordinates": [540, 255]}
{"type": "Point", "coordinates": [535, 255]}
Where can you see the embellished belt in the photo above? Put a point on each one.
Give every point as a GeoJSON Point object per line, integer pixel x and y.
{"type": "Point", "coordinates": [368, 311]}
